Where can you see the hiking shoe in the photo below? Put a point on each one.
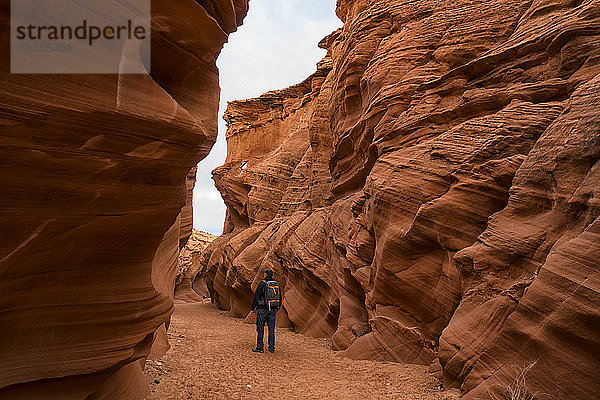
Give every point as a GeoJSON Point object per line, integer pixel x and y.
{"type": "Point", "coordinates": [271, 350]}
{"type": "Point", "coordinates": [257, 350]}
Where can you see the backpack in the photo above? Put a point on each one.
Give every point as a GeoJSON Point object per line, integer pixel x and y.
{"type": "Point", "coordinates": [272, 295]}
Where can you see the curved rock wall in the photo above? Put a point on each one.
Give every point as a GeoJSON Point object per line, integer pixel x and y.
{"type": "Point", "coordinates": [430, 195]}
{"type": "Point", "coordinates": [93, 180]}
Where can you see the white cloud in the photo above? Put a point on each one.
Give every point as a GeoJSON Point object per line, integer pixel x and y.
{"type": "Point", "coordinates": [275, 48]}
{"type": "Point", "coordinates": [206, 195]}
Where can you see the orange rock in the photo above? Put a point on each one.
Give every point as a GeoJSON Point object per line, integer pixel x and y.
{"type": "Point", "coordinates": [184, 289]}
{"type": "Point", "coordinates": [93, 182]}
{"type": "Point", "coordinates": [430, 195]}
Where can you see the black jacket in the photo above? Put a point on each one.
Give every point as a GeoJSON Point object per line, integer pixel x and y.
{"type": "Point", "coordinates": [259, 295]}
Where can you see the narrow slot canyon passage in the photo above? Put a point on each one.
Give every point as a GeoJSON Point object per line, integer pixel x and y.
{"type": "Point", "coordinates": [419, 179]}
{"type": "Point", "coordinates": [392, 193]}
{"type": "Point", "coordinates": [210, 350]}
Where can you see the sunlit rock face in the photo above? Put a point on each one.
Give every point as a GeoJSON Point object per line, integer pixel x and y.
{"type": "Point", "coordinates": [93, 181]}
{"type": "Point", "coordinates": [189, 265]}
{"type": "Point", "coordinates": [431, 194]}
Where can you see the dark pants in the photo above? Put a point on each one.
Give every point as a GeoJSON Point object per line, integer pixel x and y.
{"type": "Point", "coordinates": [265, 317]}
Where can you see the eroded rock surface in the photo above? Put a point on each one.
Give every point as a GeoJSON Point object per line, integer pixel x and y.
{"type": "Point", "coordinates": [189, 265]}
{"type": "Point", "coordinates": [431, 194]}
{"type": "Point", "coordinates": [93, 181]}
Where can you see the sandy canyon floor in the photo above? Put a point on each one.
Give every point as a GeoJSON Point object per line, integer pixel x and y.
{"type": "Point", "coordinates": [211, 358]}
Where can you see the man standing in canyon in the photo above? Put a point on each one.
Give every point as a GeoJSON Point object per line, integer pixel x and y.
{"type": "Point", "coordinates": [266, 302]}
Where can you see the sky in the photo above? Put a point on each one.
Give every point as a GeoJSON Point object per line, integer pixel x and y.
{"type": "Point", "coordinates": [276, 47]}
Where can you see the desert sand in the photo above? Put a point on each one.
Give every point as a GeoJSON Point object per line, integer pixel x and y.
{"type": "Point", "coordinates": [211, 358]}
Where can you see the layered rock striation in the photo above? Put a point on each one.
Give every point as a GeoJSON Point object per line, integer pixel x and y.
{"type": "Point", "coordinates": [431, 194]}
{"type": "Point", "coordinates": [93, 213]}
{"type": "Point", "coordinates": [189, 265]}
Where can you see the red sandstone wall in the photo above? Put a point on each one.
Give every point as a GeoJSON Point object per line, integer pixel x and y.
{"type": "Point", "coordinates": [430, 195]}
{"type": "Point", "coordinates": [93, 179]}
{"type": "Point", "coordinates": [188, 267]}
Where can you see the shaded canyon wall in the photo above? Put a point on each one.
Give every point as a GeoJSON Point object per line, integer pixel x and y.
{"type": "Point", "coordinates": [431, 194]}
{"type": "Point", "coordinates": [96, 204]}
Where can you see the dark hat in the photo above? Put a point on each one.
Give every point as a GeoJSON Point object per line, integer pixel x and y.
{"type": "Point", "coordinates": [268, 272]}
